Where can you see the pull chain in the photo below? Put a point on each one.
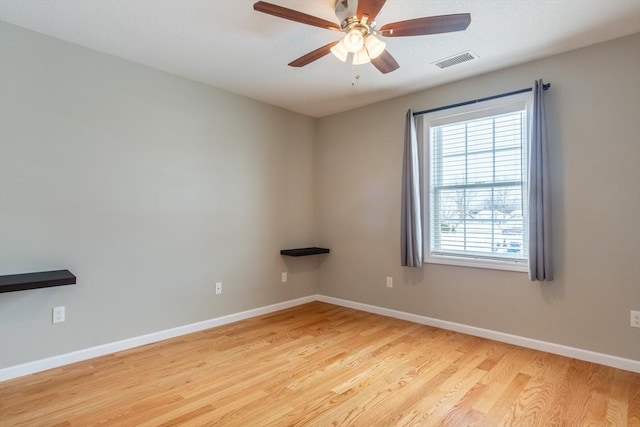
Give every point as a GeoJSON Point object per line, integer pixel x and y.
{"type": "Point", "coordinates": [355, 76]}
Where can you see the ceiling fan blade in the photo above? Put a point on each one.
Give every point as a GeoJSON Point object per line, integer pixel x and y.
{"type": "Point", "coordinates": [313, 55]}
{"type": "Point", "coordinates": [427, 25]}
{"type": "Point", "coordinates": [370, 8]}
{"type": "Point", "coordinates": [293, 15]}
{"type": "Point", "coordinates": [385, 63]}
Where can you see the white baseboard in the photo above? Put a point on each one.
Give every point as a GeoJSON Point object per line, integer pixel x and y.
{"type": "Point", "coordinates": [562, 350]}
{"type": "Point", "coordinates": [101, 350]}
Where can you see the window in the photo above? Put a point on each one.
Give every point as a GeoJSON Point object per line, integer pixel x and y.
{"type": "Point", "coordinates": [476, 170]}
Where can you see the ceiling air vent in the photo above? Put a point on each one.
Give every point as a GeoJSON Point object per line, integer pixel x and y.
{"type": "Point", "coordinates": [456, 59]}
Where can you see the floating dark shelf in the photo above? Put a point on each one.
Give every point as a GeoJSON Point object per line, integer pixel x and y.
{"type": "Point", "coordinates": [43, 279]}
{"type": "Point", "coordinates": [304, 251]}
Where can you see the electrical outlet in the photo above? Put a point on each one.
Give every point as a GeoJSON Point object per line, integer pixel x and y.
{"type": "Point", "coordinates": [218, 288]}
{"type": "Point", "coordinates": [635, 319]}
{"type": "Point", "coordinates": [58, 314]}
{"type": "Point", "coordinates": [284, 277]}
{"type": "Point", "coordinates": [389, 282]}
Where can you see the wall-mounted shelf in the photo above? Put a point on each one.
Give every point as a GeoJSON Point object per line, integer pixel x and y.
{"type": "Point", "coordinates": [43, 279]}
{"type": "Point", "coordinates": [304, 251]}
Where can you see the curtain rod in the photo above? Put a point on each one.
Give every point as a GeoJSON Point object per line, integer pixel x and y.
{"type": "Point", "coordinates": [473, 101]}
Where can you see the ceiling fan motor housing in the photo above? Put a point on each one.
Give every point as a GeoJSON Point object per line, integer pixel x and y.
{"type": "Point", "coordinates": [346, 9]}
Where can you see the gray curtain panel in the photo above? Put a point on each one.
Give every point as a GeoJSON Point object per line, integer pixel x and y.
{"type": "Point", "coordinates": [540, 266]}
{"type": "Point", "coordinates": [411, 221]}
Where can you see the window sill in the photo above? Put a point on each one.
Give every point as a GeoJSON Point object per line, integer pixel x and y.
{"type": "Point", "coordinates": [521, 267]}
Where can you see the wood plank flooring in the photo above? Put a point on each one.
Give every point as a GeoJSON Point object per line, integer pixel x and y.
{"type": "Point", "coordinates": [324, 365]}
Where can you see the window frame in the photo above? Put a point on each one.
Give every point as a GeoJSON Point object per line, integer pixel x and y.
{"type": "Point", "coordinates": [512, 103]}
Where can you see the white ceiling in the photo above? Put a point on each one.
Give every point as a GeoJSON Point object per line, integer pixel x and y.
{"type": "Point", "coordinates": [226, 44]}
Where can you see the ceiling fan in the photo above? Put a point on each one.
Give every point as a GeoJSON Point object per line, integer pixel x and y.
{"type": "Point", "coordinates": [357, 21]}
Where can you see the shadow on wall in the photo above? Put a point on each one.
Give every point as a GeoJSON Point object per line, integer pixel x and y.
{"type": "Point", "coordinates": [413, 276]}
{"type": "Point", "coordinates": [304, 264]}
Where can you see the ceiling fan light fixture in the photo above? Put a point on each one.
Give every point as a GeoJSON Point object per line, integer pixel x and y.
{"type": "Point", "coordinates": [361, 57]}
{"type": "Point", "coordinates": [374, 46]}
{"type": "Point", "coordinates": [353, 41]}
{"type": "Point", "coordinates": [340, 51]}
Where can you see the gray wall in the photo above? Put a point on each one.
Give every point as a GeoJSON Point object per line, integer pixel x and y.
{"type": "Point", "coordinates": [150, 188]}
{"type": "Point", "coordinates": [594, 115]}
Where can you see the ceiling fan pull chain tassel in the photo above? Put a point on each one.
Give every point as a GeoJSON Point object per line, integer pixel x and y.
{"type": "Point", "coordinates": [356, 76]}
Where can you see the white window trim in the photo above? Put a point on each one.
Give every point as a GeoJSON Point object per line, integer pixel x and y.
{"type": "Point", "coordinates": [467, 112]}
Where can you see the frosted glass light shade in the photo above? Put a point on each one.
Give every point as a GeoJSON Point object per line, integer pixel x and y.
{"type": "Point", "coordinates": [374, 46]}
{"type": "Point", "coordinates": [353, 41]}
{"type": "Point", "coordinates": [340, 51]}
{"type": "Point", "coordinates": [361, 57]}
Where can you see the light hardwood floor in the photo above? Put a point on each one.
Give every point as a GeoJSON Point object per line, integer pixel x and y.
{"type": "Point", "coordinates": [322, 365]}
